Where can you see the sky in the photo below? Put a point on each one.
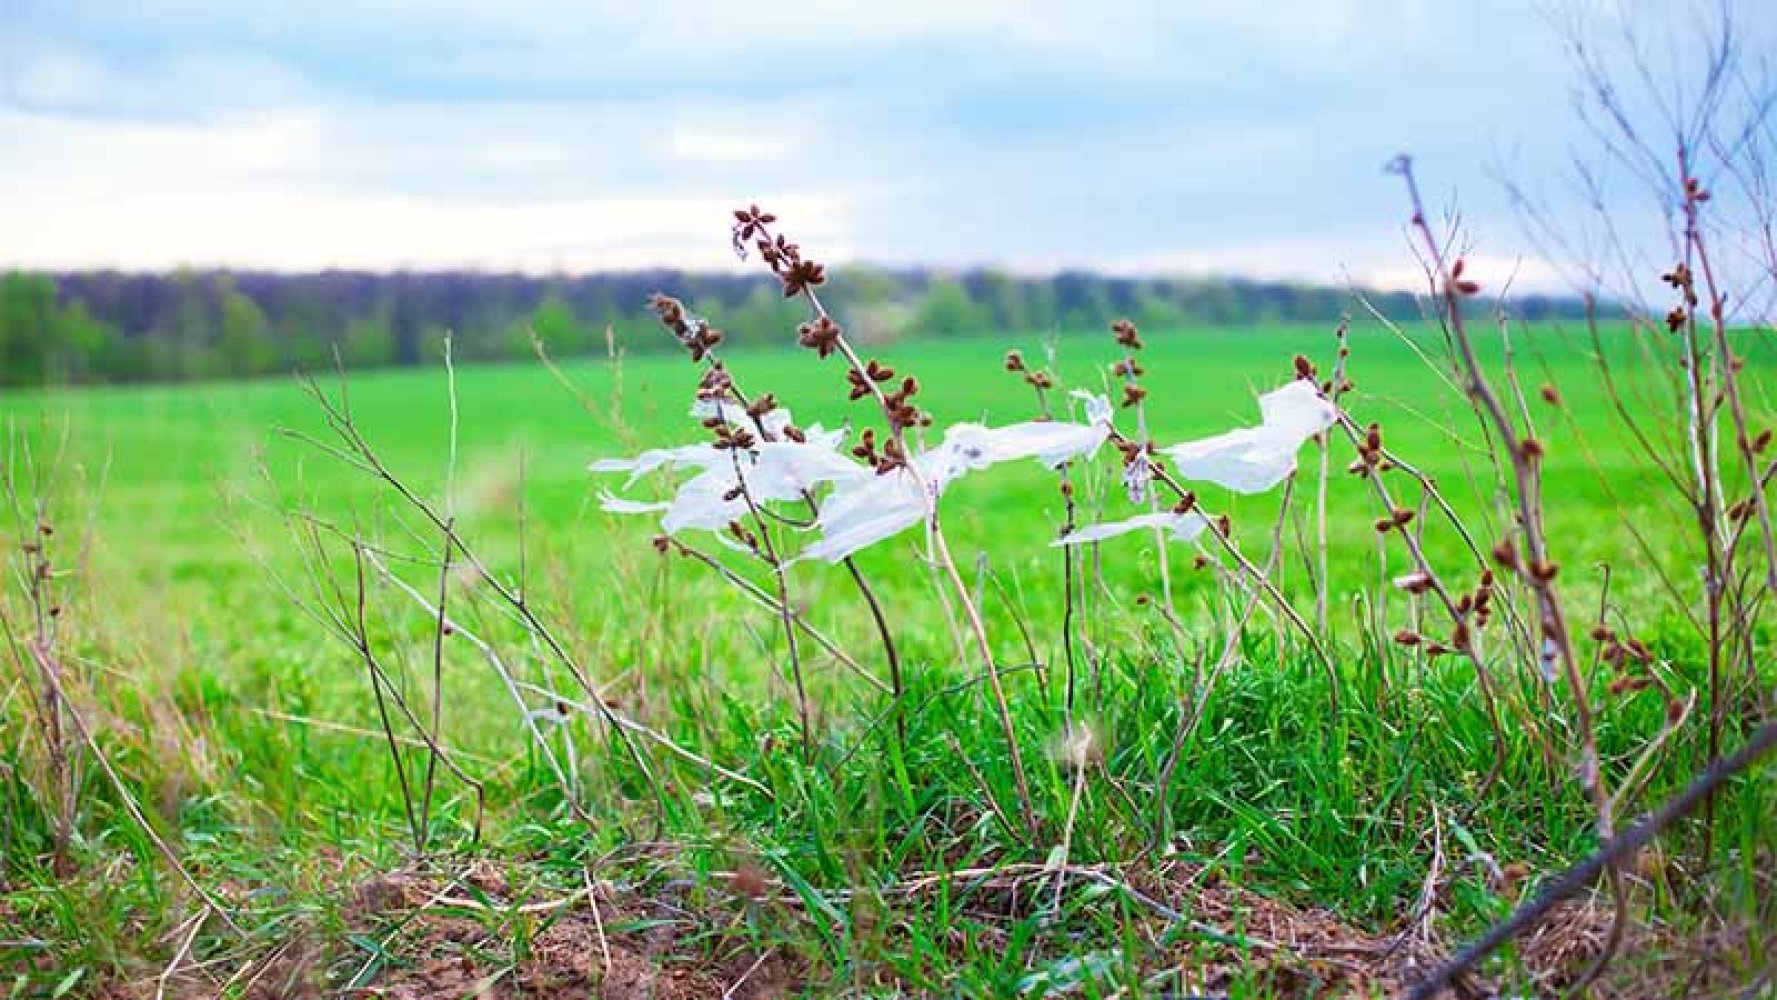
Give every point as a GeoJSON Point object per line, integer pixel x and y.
{"type": "Point", "coordinates": [1182, 137]}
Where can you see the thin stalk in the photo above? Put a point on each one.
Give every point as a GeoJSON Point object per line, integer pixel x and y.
{"type": "Point", "coordinates": [941, 549]}
{"type": "Point", "coordinates": [768, 550]}
{"type": "Point", "coordinates": [1719, 570]}
{"type": "Point", "coordinates": [1540, 571]}
{"type": "Point", "coordinates": [382, 709]}
{"type": "Point", "coordinates": [877, 615]}
{"type": "Point", "coordinates": [429, 782]}
{"type": "Point", "coordinates": [1260, 580]}
{"type": "Point", "coordinates": [755, 592]}
{"type": "Point", "coordinates": [339, 419]}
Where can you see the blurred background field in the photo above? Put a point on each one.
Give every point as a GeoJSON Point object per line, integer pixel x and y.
{"type": "Point", "coordinates": [183, 496]}
{"type": "Point", "coordinates": [160, 459]}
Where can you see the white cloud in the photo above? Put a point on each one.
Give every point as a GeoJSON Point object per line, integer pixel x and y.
{"type": "Point", "coordinates": [512, 187]}
{"type": "Point", "coordinates": [1496, 273]}
{"type": "Point", "coordinates": [726, 146]}
{"type": "Point", "coordinates": [1218, 136]}
{"type": "Point", "coordinates": [238, 193]}
{"type": "Point", "coordinates": [297, 231]}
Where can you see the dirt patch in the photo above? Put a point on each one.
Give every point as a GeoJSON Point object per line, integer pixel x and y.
{"type": "Point", "coordinates": [494, 933]}
{"type": "Point", "coordinates": [1296, 951]}
{"type": "Point", "coordinates": [1219, 935]}
{"type": "Point", "coordinates": [1655, 959]}
{"type": "Point", "coordinates": [1224, 935]}
{"type": "Point", "coordinates": [602, 941]}
{"type": "Point", "coordinates": [1317, 954]}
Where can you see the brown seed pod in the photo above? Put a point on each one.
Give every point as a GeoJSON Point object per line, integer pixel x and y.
{"type": "Point", "coordinates": [801, 276]}
{"type": "Point", "coordinates": [821, 336]}
{"type": "Point", "coordinates": [1505, 554]}
{"type": "Point", "coordinates": [859, 385]}
{"type": "Point", "coordinates": [1416, 582]}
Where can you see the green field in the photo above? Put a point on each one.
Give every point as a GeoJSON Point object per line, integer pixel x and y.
{"type": "Point", "coordinates": [166, 464]}
{"type": "Point", "coordinates": [194, 524]}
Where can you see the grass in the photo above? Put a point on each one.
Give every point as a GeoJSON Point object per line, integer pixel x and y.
{"type": "Point", "coordinates": [251, 738]}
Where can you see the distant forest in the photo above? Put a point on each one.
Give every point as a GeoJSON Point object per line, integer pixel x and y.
{"type": "Point", "coordinates": [91, 327]}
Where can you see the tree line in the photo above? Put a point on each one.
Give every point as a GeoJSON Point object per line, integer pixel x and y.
{"type": "Point", "coordinates": [108, 326]}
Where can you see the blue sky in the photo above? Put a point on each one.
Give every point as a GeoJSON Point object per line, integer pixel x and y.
{"type": "Point", "coordinates": [1206, 137]}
